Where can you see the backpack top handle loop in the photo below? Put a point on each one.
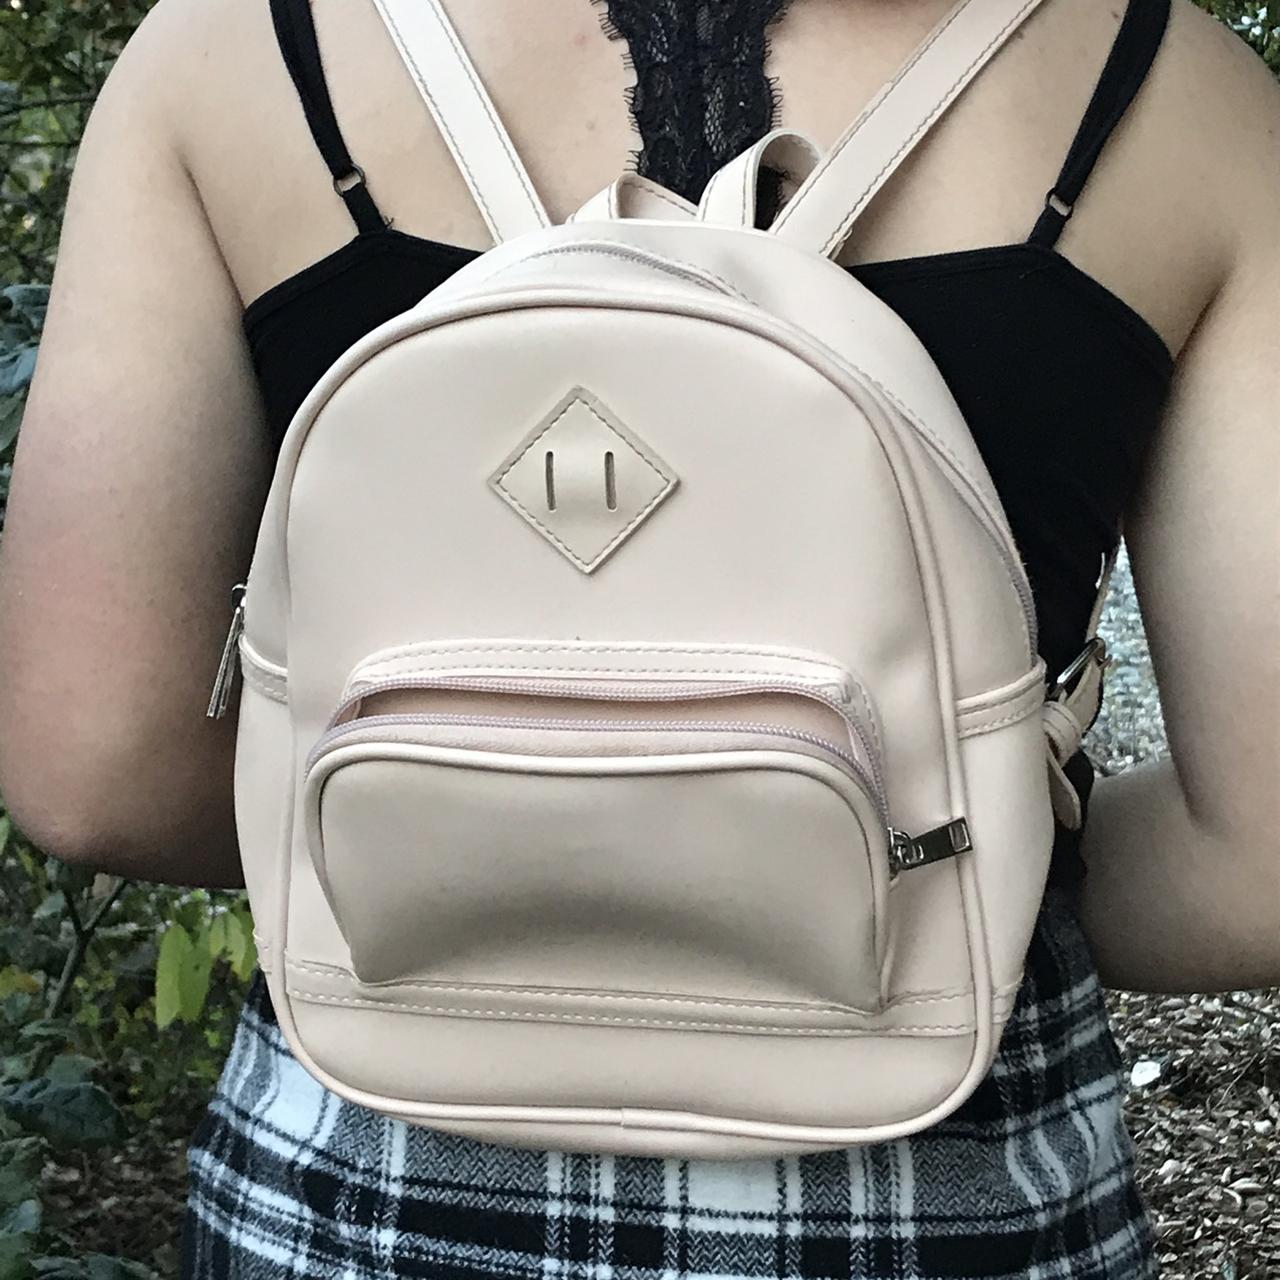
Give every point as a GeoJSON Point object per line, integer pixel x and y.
{"type": "Point", "coordinates": [732, 196]}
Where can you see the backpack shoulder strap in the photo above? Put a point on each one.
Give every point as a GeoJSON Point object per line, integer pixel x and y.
{"type": "Point", "coordinates": [821, 214]}
{"type": "Point", "coordinates": [465, 115]}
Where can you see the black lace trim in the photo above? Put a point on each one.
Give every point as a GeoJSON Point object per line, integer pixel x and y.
{"type": "Point", "coordinates": [701, 94]}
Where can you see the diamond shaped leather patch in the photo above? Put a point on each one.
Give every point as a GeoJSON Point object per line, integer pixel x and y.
{"type": "Point", "coordinates": [583, 480]}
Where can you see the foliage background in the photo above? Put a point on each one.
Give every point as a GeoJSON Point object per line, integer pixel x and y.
{"type": "Point", "coordinates": [117, 1001]}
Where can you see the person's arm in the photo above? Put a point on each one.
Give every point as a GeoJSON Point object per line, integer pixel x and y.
{"type": "Point", "coordinates": [1183, 884]}
{"type": "Point", "coordinates": [141, 470]}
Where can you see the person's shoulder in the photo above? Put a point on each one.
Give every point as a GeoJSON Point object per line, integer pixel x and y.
{"type": "Point", "coordinates": [1210, 44]}
{"type": "Point", "coordinates": [1214, 120]}
{"type": "Point", "coordinates": [187, 52]}
{"type": "Point", "coordinates": [1224, 95]}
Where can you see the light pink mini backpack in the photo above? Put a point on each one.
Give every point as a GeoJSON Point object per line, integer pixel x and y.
{"type": "Point", "coordinates": [643, 745]}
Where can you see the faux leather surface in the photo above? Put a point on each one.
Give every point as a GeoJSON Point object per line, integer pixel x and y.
{"type": "Point", "coordinates": [584, 480]}
{"type": "Point", "coordinates": [659, 937]}
{"type": "Point", "coordinates": [731, 197]}
{"type": "Point", "coordinates": [745, 554]}
{"type": "Point", "coordinates": [721, 876]}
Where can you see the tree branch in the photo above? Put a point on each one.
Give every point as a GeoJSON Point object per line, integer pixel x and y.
{"type": "Point", "coordinates": [80, 949]}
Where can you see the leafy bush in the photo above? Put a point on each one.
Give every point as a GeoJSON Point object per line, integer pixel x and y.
{"type": "Point", "coordinates": [91, 969]}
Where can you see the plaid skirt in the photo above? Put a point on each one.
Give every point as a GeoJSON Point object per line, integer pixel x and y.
{"type": "Point", "coordinates": [1032, 1177]}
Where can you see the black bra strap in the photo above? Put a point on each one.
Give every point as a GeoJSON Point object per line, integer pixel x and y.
{"type": "Point", "coordinates": [1131, 56]}
{"type": "Point", "coordinates": [296, 32]}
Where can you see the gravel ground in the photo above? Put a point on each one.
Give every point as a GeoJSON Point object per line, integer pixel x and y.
{"type": "Point", "coordinates": [1204, 1102]}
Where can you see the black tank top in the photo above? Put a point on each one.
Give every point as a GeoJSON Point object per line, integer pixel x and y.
{"type": "Point", "coordinates": [1061, 382]}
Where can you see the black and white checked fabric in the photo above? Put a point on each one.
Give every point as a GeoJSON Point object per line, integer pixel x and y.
{"type": "Point", "coordinates": [1032, 1178]}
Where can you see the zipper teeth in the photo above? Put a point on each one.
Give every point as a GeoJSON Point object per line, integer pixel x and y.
{"type": "Point", "coordinates": [568, 725]}
{"type": "Point", "coordinates": [602, 692]}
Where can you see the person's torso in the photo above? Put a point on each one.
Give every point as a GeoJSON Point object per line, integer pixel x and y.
{"type": "Point", "coordinates": [1058, 347]}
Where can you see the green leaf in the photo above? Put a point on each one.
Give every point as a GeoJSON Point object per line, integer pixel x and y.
{"type": "Point", "coordinates": [11, 411]}
{"type": "Point", "coordinates": [71, 1068]}
{"type": "Point", "coordinates": [218, 939]}
{"type": "Point", "coordinates": [21, 1160]}
{"type": "Point", "coordinates": [14, 979]}
{"type": "Point", "coordinates": [16, 368]}
{"type": "Point", "coordinates": [15, 1258]}
{"type": "Point", "coordinates": [183, 968]}
{"type": "Point", "coordinates": [69, 1115]}
{"type": "Point", "coordinates": [29, 302]}
{"type": "Point", "coordinates": [22, 1219]}
{"type": "Point", "coordinates": [70, 879]}
{"type": "Point", "coordinates": [19, 1066]}
{"type": "Point", "coordinates": [6, 830]}
{"type": "Point", "coordinates": [88, 1015]}
{"type": "Point", "coordinates": [100, 1267]}
{"type": "Point", "coordinates": [15, 1008]}
{"type": "Point", "coordinates": [193, 913]}
{"type": "Point", "coordinates": [175, 947]}
{"type": "Point", "coordinates": [18, 1227]}
{"type": "Point", "coordinates": [244, 958]}
{"type": "Point", "coordinates": [52, 907]}
{"type": "Point", "coordinates": [196, 971]}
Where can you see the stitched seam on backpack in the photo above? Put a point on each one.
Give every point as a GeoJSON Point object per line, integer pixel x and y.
{"type": "Point", "coordinates": [662, 194]}
{"type": "Point", "coordinates": [441, 120]}
{"type": "Point", "coordinates": [571, 647]}
{"type": "Point", "coordinates": [675, 673]}
{"type": "Point", "coordinates": [938, 109]}
{"type": "Point", "coordinates": [581, 400]}
{"type": "Point", "coordinates": [676, 268]}
{"type": "Point", "coordinates": [935, 995]}
{"type": "Point", "coordinates": [987, 726]}
{"type": "Point", "coordinates": [570, 993]}
{"type": "Point", "coordinates": [606, 1019]}
{"type": "Point", "coordinates": [272, 687]}
{"type": "Point", "coordinates": [622, 533]}
{"type": "Point", "coordinates": [978, 703]}
{"type": "Point", "coordinates": [903, 71]}
{"type": "Point", "coordinates": [499, 133]}
{"type": "Point", "coordinates": [942, 447]}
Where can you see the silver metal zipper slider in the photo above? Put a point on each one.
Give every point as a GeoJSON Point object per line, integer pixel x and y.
{"type": "Point", "coordinates": [942, 842]}
{"type": "Point", "coordinates": [221, 697]}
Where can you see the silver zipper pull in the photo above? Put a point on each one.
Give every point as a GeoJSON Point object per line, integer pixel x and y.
{"type": "Point", "coordinates": [221, 697]}
{"type": "Point", "coordinates": [942, 842]}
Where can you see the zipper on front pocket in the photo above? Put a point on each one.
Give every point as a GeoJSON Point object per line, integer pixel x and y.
{"type": "Point", "coordinates": [862, 756]}
{"type": "Point", "coordinates": [828, 685]}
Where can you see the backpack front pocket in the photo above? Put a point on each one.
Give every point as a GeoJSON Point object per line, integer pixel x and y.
{"type": "Point", "coordinates": [713, 845]}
